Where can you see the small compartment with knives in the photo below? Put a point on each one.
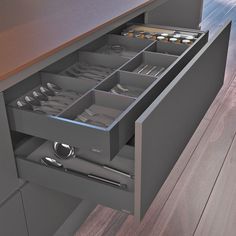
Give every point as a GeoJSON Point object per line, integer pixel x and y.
{"type": "Point", "coordinates": [68, 169]}
{"type": "Point", "coordinates": [151, 64]}
{"type": "Point", "coordinates": [126, 84]}
{"type": "Point", "coordinates": [117, 45]}
{"type": "Point", "coordinates": [87, 65]}
{"type": "Point", "coordinates": [47, 94]}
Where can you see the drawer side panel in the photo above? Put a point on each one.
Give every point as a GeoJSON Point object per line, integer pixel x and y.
{"type": "Point", "coordinates": [166, 126]}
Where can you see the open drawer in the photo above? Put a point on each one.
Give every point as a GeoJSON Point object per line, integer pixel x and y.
{"type": "Point", "coordinates": [161, 133]}
{"type": "Point", "coordinates": [100, 119]}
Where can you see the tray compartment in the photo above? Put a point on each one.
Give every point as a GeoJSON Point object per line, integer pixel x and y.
{"type": "Point", "coordinates": [146, 62]}
{"type": "Point", "coordinates": [136, 84]}
{"type": "Point", "coordinates": [30, 168]}
{"type": "Point", "coordinates": [87, 65]}
{"type": "Point", "coordinates": [108, 44]}
{"type": "Point", "coordinates": [98, 107]}
{"type": "Point", "coordinates": [18, 92]}
{"type": "Point", "coordinates": [168, 48]}
{"type": "Point", "coordinates": [145, 31]}
{"type": "Point", "coordinates": [62, 128]}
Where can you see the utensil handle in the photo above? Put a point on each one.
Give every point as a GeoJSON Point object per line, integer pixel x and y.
{"type": "Point", "coordinates": [108, 181]}
{"type": "Point", "coordinates": [99, 178]}
{"type": "Point", "coordinates": [107, 167]}
{"type": "Point", "coordinates": [117, 171]}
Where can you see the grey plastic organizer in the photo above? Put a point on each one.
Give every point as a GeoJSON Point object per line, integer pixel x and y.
{"type": "Point", "coordinates": [105, 141]}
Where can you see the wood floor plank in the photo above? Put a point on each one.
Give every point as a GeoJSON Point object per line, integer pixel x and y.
{"type": "Point", "coordinates": [231, 63]}
{"type": "Point", "coordinates": [97, 222]}
{"type": "Point", "coordinates": [183, 210]}
{"type": "Point", "coordinates": [219, 216]}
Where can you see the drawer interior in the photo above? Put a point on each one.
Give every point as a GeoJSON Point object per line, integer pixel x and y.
{"type": "Point", "coordinates": [87, 65]}
{"type": "Point", "coordinates": [76, 176]}
{"type": "Point", "coordinates": [151, 64]}
{"type": "Point", "coordinates": [98, 108]}
{"type": "Point", "coordinates": [168, 48]}
{"type": "Point", "coordinates": [113, 80]}
{"type": "Point", "coordinates": [126, 84]}
{"type": "Point", "coordinates": [41, 80]}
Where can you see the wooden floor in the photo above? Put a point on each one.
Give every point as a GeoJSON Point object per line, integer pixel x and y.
{"type": "Point", "coordinates": [199, 197]}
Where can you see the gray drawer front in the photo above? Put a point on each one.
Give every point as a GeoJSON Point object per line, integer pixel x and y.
{"type": "Point", "coordinates": [12, 219]}
{"type": "Point", "coordinates": [166, 126]}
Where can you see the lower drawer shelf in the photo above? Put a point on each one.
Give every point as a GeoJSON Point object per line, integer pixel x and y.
{"type": "Point", "coordinates": [75, 182]}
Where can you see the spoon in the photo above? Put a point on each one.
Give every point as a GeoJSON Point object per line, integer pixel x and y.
{"type": "Point", "coordinates": [48, 161]}
{"type": "Point", "coordinates": [92, 113]}
{"type": "Point", "coordinates": [65, 151]}
{"type": "Point", "coordinates": [24, 105]}
{"type": "Point", "coordinates": [60, 100]}
{"type": "Point", "coordinates": [53, 103]}
{"type": "Point", "coordinates": [34, 102]}
{"type": "Point", "coordinates": [119, 86]}
{"type": "Point", "coordinates": [92, 122]}
{"type": "Point", "coordinates": [57, 89]}
{"type": "Point", "coordinates": [49, 92]}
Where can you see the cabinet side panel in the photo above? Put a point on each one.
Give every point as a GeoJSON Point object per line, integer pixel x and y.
{"type": "Point", "coordinates": [12, 219]}
{"type": "Point", "coordinates": [8, 174]}
{"type": "Point", "coordinates": [181, 13]}
{"type": "Point", "coordinates": [46, 210]}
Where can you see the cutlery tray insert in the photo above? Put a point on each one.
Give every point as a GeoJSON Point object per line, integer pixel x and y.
{"type": "Point", "coordinates": [41, 79]}
{"type": "Point", "coordinates": [168, 48]}
{"type": "Point", "coordinates": [126, 84]}
{"type": "Point", "coordinates": [146, 62]}
{"type": "Point", "coordinates": [87, 65]}
{"type": "Point", "coordinates": [112, 44]}
{"type": "Point", "coordinates": [98, 108]}
{"type": "Point", "coordinates": [102, 134]}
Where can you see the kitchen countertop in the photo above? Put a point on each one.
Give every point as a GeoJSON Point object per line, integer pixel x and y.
{"type": "Point", "coordinates": [32, 31]}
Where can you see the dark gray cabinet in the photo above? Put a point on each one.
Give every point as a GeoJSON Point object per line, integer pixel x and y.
{"type": "Point", "coordinates": [144, 140]}
{"type": "Point", "coordinates": [7, 162]}
{"type": "Point", "coordinates": [162, 118]}
{"type": "Point", "coordinates": [12, 218]}
{"type": "Point", "coordinates": [47, 210]}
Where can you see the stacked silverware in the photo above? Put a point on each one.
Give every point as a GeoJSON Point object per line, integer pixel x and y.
{"type": "Point", "coordinates": [50, 99]}
{"type": "Point", "coordinates": [149, 70]}
{"type": "Point", "coordinates": [97, 118]}
{"type": "Point", "coordinates": [126, 90]}
{"type": "Point", "coordinates": [86, 71]}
